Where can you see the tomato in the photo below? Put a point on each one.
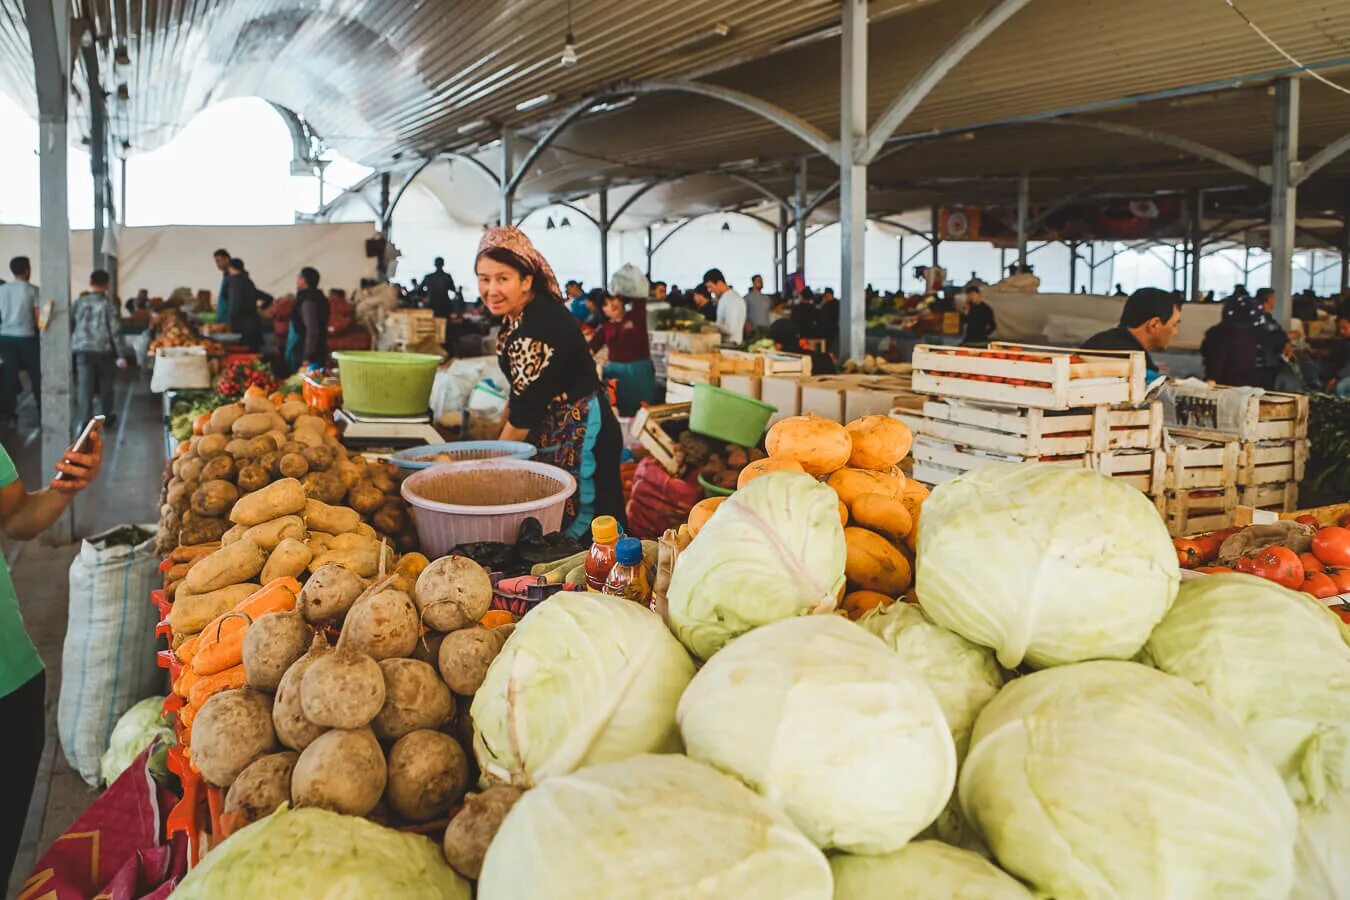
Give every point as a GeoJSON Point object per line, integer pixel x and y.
{"type": "Point", "coordinates": [1189, 553]}
{"type": "Point", "coordinates": [1245, 563]}
{"type": "Point", "coordinates": [1308, 520]}
{"type": "Point", "coordinates": [1280, 565]}
{"type": "Point", "coordinates": [1332, 545]}
{"type": "Point", "coordinates": [1311, 563]}
{"type": "Point", "coordinates": [1214, 570]}
{"type": "Point", "coordinates": [1342, 610]}
{"type": "Point", "coordinates": [1340, 576]}
{"type": "Point", "coordinates": [1319, 585]}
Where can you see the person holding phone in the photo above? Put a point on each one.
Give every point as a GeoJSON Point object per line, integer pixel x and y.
{"type": "Point", "coordinates": [23, 685]}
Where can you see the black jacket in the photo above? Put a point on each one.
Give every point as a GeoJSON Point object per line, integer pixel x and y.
{"type": "Point", "coordinates": [309, 318]}
{"type": "Point", "coordinates": [242, 297]}
{"type": "Point", "coordinates": [1119, 338]}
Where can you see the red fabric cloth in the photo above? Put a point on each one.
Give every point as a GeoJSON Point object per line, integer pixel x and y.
{"type": "Point", "coordinates": [659, 500]}
{"type": "Point", "coordinates": [115, 849]}
{"type": "Point", "coordinates": [281, 316]}
{"type": "Point", "coordinates": [626, 338]}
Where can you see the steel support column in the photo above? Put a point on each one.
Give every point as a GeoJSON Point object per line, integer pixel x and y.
{"type": "Point", "coordinates": [1073, 267]}
{"type": "Point", "coordinates": [799, 215]}
{"type": "Point", "coordinates": [853, 180]}
{"type": "Point", "coordinates": [1345, 245]}
{"type": "Point", "coordinates": [1197, 216]}
{"type": "Point", "coordinates": [935, 214]}
{"type": "Point", "coordinates": [386, 221]}
{"type": "Point", "coordinates": [1023, 207]}
{"type": "Point", "coordinates": [1284, 197]}
{"type": "Point", "coordinates": [508, 180]}
{"type": "Point", "coordinates": [649, 252]}
{"type": "Point", "coordinates": [98, 153]}
{"type": "Point", "coordinates": [603, 224]}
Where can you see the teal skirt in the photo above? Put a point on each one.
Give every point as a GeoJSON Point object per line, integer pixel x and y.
{"type": "Point", "coordinates": [635, 383]}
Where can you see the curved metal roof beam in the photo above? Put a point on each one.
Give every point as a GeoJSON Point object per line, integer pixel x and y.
{"type": "Point", "coordinates": [422, 166]}
{"type": "Point", "coordinates": [303, 137]}
{"type": "Point", "coordinates": [716, 212]}
{"type": "Point", "coordinates": [758, 186]}
{"type": "Point", "coordinates": [1321, 158]}
{"type": "Point", "coordinates": [918, 89]}
{"type": "Point", "coordinates": [567, 204]}
{"type": "Point", "coordinates": [356, 190]}
{"type": "Point", "coordinates": [1186, 145]}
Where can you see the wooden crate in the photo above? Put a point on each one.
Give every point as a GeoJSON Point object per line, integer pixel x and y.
{"type": "Point", "coordinates": [1199, 511]}
{"type": "Point", "coordinates": [784, 365]}
{"type": "Point", "coordinates": [708, 368]}
{"type": "Point", "coordinates": [1325, 515]}
{"type": "Point", "coordinates": [1035, 432]}
{"type": "Point", "coordinates": [677, 392]}
{"type": "Point", "coordinates": [1272, 416]}
{"type": "Point", "coordinates": [1039, 377]}
{"type": "Point", "coordinates": [404, 328]}
{"type": "Point", "coordinates": [1276, 497]}
{"type": "Point", "coordinates": [745, 385]}
{"type": "Point", "coordinates": [647, 428]}
{"type": "Point", "coordinates": [936, 461]}
{"type": "Point", "coordinates": [1270, 462]}
{"type": "Point", "coordinates": [1196, 462]}
{"type": "Point", "coordinates": [686, 341]}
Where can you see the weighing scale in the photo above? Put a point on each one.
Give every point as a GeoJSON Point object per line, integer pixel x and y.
{"type": "Point", "coordinates": [383, 435]}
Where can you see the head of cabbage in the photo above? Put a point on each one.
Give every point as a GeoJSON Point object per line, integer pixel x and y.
{"type": "Point", "coordinates": [1112, 779]}
{"type": "Point", "coordinates": [1322, 853]}
{"type": "Point", "coordinates": [1045, 564]}
{"type": "Point", "coordinates": [650, 826]}
{"type": "Point", "coordinates": [138, 728]}
{"type": "Point", "coordinates": [316, 853]}
{"type": "Point", "coordinates": [828, 724]}
{"type": "Point", "coordinates": [775, 549]}
{"type": "Point", "coordinates": [1278, 661]}
{"type": "Point", "coordinates": [584, 678]}
{"type": "Point", "coordinates": [963, 676]}
{"type": "Point", "coordinates": [923, 870]}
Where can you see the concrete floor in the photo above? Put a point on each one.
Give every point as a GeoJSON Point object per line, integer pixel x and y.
{"type": "Point", "coordinates": [126, 491]}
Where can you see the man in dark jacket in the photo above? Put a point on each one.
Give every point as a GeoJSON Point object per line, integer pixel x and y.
{"type": "Point", "coordinates": [978, 319]}
{"type": "Point", "coordinates": [439, 286]}
{"type": "Point", "coordinates": [241, 298]}
{"type": "Point", "coordinates": [307, 339]}
{"type": "Point", "coordinates": [1148, 322]}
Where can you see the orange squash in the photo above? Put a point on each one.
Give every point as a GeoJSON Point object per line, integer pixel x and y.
{"type": "Point", "coordinates": [702, 512]}
{"type": "Point", "coordinates": [856, 603]}
{"type": "Point", "coordinates": [872, 563]}
{"type": "Point", "coordinates": [821, 446]}
{"type": "Point", "coordinates": [764, 467]}
{"type": "Point", "coordinates": [884, 514]}
{"type": "Point", "coordinates": [843, 513]}
{"type": "Point", "coordinates": [850, 484]}
{"type": "Point", "coordinates": [879, 442]}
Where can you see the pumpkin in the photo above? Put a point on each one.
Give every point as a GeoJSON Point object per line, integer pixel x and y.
{"type": "Point", "coordinates": [913, 497]}
{"type": "Point", "coordinates": [884, 514]}
{"type": "Point", "coordinates": [856, 603]}
{"type": "Point", "coordinates": [872, 563]}
{"type": "Point", "coordinates": [850, 484]}
{"type": "Point", "coordinates": [764, 467]}
{"type": "Point", "coordinates": [843, 513]}
{"type": "Point", "coordinates": [879, 442]}
{"type": "Point", "coordinates": [702, 512]}
{"type": "Point", "coordinates": [821, 446]}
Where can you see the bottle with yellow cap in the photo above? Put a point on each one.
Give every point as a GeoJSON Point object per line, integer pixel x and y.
{"type": "Point", "coordinates": [605, 538]}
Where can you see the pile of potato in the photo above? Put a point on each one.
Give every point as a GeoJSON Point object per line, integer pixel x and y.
{"type": "Point", "coordinates": [372, 723]}
{"type": "Point", "coordinates": [249, 445]}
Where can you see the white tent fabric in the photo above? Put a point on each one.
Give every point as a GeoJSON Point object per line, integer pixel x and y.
{"type": "Point", "coordinates": [164, 257]}
{"type": "Point", "coordinates": [1072, 318]}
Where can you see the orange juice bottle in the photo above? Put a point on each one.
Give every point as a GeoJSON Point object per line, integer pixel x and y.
{"type": "Point", "coordinates": [605, 534]}
{"type": "Point", "coordinates": [628, 578]}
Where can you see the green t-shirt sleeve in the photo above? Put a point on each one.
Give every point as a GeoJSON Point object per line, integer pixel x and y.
{"type": "Point", "coordinates": [8, 474]}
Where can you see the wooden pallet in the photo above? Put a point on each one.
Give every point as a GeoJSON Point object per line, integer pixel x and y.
{"type": "Point", "coordinates": [686, 341]}
{"type": "Point", "coordinates": [1198, 511]}
{"type": "Point", "coordinates": [1039, 377]}
{"type": "Point", "coordinates": [708, 368]}
{"type": "Point", "coordinates": [1195, 462]}
{"type": "Point", "coordinates": [1271, 463]}
{"type": "Point", "coordinates": [647, 428]}
{"type": "Point", "coordinates": [937, 461]}
{"type": "Point", "coordinates": [1035, 432]}
{"type": "Point", "coordinates": [1277, 497]}
{"type": "Point", "coordinates": [1272, 416]}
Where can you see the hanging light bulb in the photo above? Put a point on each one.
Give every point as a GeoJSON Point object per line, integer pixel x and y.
{"type": "Point", "coordinates": [549, 226]}
{"type": "Point", "coordinates": [726, 226]}
{"type": "Point", "coordinates": [564, 223]}
{"type": "Point", "coordinates": [569, 52]}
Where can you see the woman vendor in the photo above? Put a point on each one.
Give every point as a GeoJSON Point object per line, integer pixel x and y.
{"type": "Point", "coordinates": [624, 333]}
{"type": "Point", "coordinates": [556, 402]}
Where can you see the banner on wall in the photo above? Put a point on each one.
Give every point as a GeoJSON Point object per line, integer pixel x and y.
{"type": "Point", "coordinates": [1103, 220]}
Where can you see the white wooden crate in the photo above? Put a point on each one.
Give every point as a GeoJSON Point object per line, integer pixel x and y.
{"type": "Point", "coordinates": [1035, 432]}
{"type": "Point", "coordinates": [1194, 462]}
{"type": "Point", "coordinates": [937, 461]}
{"type": "Point", "coordinates": [1039, 377]}
{"type": "Point", "coordinates": [1270, 462]}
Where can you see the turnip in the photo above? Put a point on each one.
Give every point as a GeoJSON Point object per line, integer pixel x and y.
{"type": "Point", "coordinates": [452, 593]}
{"type": "Point", "coordinates": [261, 788]}
{"type": "Point", "coordinates": [414, 697]}
{"type": "Point", "coordinates": [232, 729]}
{"type": "Point", "coordinates": [428, 772]}
{"type": "Point", "coordinates": [271, 645]}
{"type": "Point", "coordinates": [343, 771]}
{"type": "Point", "coordinates": [466, 654]}
{"type": "Point", "coordinates": [342, 689]}
{"type": "Point", "coordinates": [288, 716]}
{"type": "Point", "coordinates": [471, 831]}
{"type": "Point", "coordinates": [329, 593]}
{"type": "Point", "coordinates": [382, 624]}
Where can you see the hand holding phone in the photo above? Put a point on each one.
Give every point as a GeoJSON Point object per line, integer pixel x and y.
{"type": "Point", "coordinates": [81, 463]}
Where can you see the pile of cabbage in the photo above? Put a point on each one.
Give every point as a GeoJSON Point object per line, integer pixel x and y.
{"type": "Point", "coordinates": [1057, 716]}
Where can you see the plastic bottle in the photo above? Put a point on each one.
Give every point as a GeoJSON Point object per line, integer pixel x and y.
{"type": "Point", "coordinates": [605, 534]}
{"type": "Point", "coordinates": [628, 578]}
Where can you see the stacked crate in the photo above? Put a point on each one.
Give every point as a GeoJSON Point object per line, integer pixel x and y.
{"type": "Point", "coordinates": [1011, 404]}
{"type": "Point", "coordinates": [735, 370]}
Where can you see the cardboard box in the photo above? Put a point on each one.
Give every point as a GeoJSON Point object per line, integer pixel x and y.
{"type": "Point", "coordinates": [745, 385]}
{"type": "Point", "coordinates": [824, 396]}
{"type": "Point", "coordinates": [878, 396]}
{"type": "Point", "coordinates": [783, 393]}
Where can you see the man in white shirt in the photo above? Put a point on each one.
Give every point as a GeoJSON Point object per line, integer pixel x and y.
{"type": "Point", "coordinates": [20, 346]}
{"type": "Point", "coordinates": [730, 307]}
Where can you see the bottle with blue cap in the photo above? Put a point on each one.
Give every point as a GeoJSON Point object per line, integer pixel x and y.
{"type": "Point", "coordinates": [628, 578]}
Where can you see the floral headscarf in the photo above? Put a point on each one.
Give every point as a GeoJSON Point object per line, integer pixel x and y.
{"type": "Point", "coordinates": [514, 240]}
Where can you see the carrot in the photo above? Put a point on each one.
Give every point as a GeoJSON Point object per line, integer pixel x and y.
{"type": "Point", "coordinates": [185, 717]}
{"type": "Point", "coordinates": [187, 649]}
{"type": "Point", "coordinates": [176, 572]}
{"type": "Point", "coordinates": [496, 617]}
{"type": "Point", "coordinates": [210, 685]}
{"type": "Point", "coordinates": [222, 640]}
{"type": "Point", "coordinates": [191, 552]}
{"type": "Point", "coordinates": [183, 686]}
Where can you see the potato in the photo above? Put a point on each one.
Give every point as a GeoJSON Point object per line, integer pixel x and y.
{"type": "Point", "coordinates": [214, 498]}
{"type": "Point", "coordinates": [239, 448]}
{"type": "Point", "coordinates": [234, 534]}
{"type": "Point", "coordinates": [259, 447]}
{"type": "Point", "coordinates": [342, 689]}
{"type": "Point", "coordinates": [201, 530]}
{"type": "Point", "coordinates": [256, 404]}
{"type": "Point", "coordinates": [289, 560]}
{"type": "Point", "coordinates": [453, 592]}
{"type": "Point", "coordinates": [342, 771]}
{"type": "Point", "coordinates": [219, 468]}
{"type": "Point", "coordinates": [329, 593]}
{"type": "Point", "coordinates": [251, 425]}
{"type": "Point", "coordinates": [180, 493]}
{"type": "Point", "coordinates": [253, 477]}
{"type": "Point", "coordinates": [276, 439]}
{"type": "Point", "coordinates": [261, 788]}
{"type": "Point", "coordinates": [330, 519]}
{"type": "Point", "coordinates": [363, 555]}
{"type": "Point", "coordinates": [324, 487]}
{"type": "Point", "coordinates": [365, 531]}
{"type": "Point", "coordinates": [348, 471]}
{"type": "Point", "coordinates": [319, 458]}
{"type": "Point", "coordinates": [382, 625]}
{"type": "Point", "coordinates": [380, 477]}
{"type": "Point", "coordinates": [269, 534]}
{"type": "Point", "coordinates": [414, 697]}
{"type": "Point", "coordinates": [210, 446]}
{"type": "Point", "coordinates": [191, 469]}
{"type": "Point", "coordinates": [390, 518]}
{"type": "Point", "coordinates": [288, 717]}
{"type": "Point", "coordinates": [193, 611]}
{"type": "Point", "coordinates": [471, 831]}
{"type": "Point", "coordinates": [223, 417]}
{"type": "Point", "coordinates": [428, 772]}
{"type": "Point", "coordinates": [280, 498]}
{"type": "Point", "coordinates": [229, 565]}
{"type": "Point", "coordinates": [309, 422]}
{"type": "Point", "coordinates": [308, 438]}
{"type": "Point", "coordinates": [271, 645]}
{"type": "Point", "coordinates": [292, 410]}
{"type": "Point", "coordinates": [232, 729]}
{"type": "Point", "coordinates": [290, 446]}
{"type": "Point", "coordinates": [428, 648]}
{"type": "Point", "coordinates": [293, 465]}
{"type": "Point", "coordinates": [466, 654]}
